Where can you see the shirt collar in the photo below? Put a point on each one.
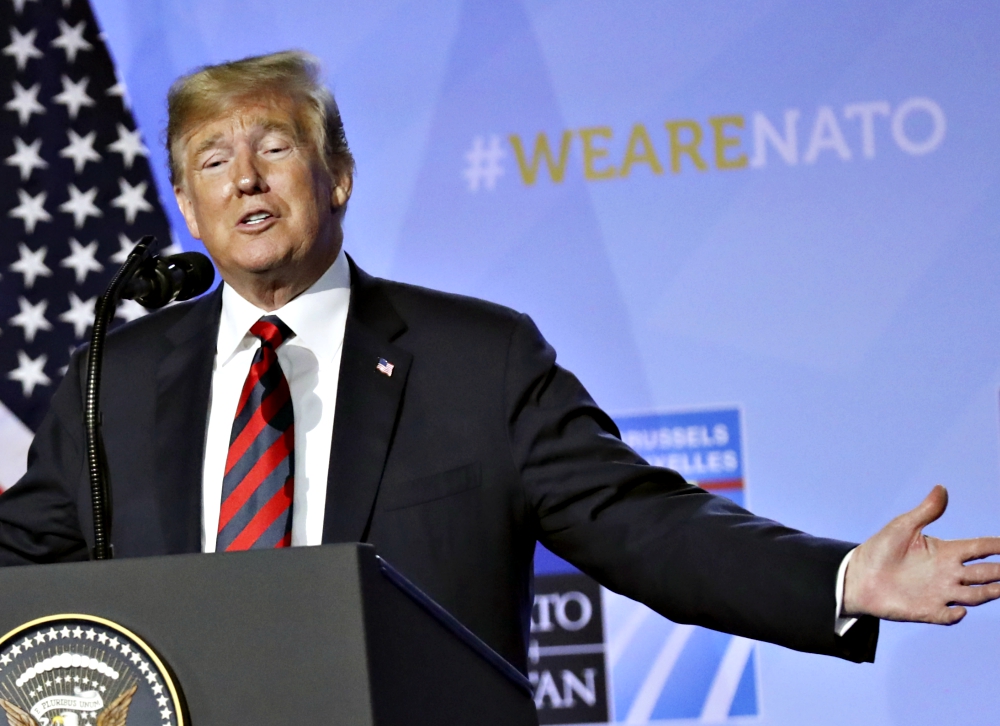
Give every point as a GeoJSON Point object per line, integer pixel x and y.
{"type": "Point", "coordinates": [317, 316]}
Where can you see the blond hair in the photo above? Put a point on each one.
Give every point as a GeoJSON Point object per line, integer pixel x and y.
{"type": "Point", "coordinates": [211, 91]}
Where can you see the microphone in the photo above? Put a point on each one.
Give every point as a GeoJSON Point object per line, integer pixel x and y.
{"type": "Point", "coordinates": [162, 280]}
{"type": "Point", "coordinates": [151, 281]}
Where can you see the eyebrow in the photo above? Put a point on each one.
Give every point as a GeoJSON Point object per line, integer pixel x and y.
{"type": "Point", "coordinates": [266, 125]}
{"type": "Point", "coordinates": [209, 143]}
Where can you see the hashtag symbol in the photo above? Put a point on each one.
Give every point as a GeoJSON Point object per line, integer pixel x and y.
{"type": "Point", "coordinates": [483, 163]}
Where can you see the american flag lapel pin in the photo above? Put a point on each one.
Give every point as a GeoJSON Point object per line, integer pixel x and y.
{"type": "Point", "coordinates": [384, 366]}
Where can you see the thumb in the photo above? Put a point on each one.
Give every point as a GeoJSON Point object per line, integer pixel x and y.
{"type": "Point", "coordinates": [928, 510]}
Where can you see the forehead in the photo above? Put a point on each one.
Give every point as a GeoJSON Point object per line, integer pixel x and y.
{"type": "Point", "coordinates": [243, 118]}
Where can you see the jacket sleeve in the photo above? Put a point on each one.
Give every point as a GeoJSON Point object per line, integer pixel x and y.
{"type": "Point", "coordinates": [39, 520]}
{"type": "Point", "coordinates": [646, 533]}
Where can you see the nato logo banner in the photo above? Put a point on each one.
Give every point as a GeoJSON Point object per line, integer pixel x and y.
{"type": "Point", "coordinates": [598, 657]}
{"type": "Point", "coordinates": [566, 650]}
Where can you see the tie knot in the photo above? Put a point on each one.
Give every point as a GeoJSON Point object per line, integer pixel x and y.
{"type": "Point", "coordinates": [272, 331]}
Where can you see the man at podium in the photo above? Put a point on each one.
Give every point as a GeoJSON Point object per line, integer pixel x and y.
{"type": "Point", "coordinates": [305, 402]}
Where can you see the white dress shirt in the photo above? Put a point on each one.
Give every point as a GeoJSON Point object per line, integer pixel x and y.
{"type": "Point", "coordinates": [311, 363]}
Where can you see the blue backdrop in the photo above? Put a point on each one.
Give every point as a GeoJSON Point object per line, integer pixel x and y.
{"type": "Point", "coordinates": [786, 207]}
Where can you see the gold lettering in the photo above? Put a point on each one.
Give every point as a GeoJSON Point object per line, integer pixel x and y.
{"type": "Point", "coordinates": [648, 155]}
{"type": "Point", "coordinates": [529, 172]}
{"type": "Point", "coordinates": [723, 142]}
{"type": "Point", "coordinates": [592, 153]}
{"type": "Point", "coordinates": [690, 147]}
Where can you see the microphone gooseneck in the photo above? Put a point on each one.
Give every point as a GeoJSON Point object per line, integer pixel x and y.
{"type": "Point", "coordinates": [153, 282]}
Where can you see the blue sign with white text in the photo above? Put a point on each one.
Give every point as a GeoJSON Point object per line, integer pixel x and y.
{"type": "Point", "coordinates": [655, 670]}
{"type": "Point", "coordinates": [702, 446]}
{"type": "Point", "coordinates": [659, 670]}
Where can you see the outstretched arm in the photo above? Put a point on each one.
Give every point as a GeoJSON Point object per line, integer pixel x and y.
{"type": "Point", "coordinates": [902, 574]}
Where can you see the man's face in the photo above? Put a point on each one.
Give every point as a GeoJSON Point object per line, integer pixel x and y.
{"type": "Point", "coordinates": [259, 198]}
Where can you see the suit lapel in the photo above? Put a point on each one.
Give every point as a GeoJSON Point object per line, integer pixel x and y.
{"type": "Point", "coordinates": [368, 403]}
{"type": "Point", "coordinates": [183, 390]}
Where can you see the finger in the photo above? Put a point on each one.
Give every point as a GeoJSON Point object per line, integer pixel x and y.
{"type": "Point", "coordinates": [980, 574]}
{"type": "Point", "coordinates": [978, 548]}
{"type": "Point", "coordinates": [977, 595]}
{"type": "Point", "coordinates": [951, 615]}
{"type": "Point", "coordinates": [928, 510]}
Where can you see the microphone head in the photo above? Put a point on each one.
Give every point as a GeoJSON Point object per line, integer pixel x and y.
{"type": "Point", "coordinates": [162, 280]}
{"type": "Point", "coordinates": [199, 274]}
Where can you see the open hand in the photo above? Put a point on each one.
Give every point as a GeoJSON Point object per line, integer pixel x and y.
{"type": "Point", "coordinates": [902, 574]}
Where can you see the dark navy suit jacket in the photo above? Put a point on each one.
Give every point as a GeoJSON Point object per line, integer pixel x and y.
{"type": "Point", "coordinates": [477, 446]}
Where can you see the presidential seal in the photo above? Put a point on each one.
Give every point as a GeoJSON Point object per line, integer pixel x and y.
{"type": "Point", "coordinates": [79, 670]}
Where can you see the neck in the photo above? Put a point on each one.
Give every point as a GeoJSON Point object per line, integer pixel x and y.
{"type": "Point", "coordinates": [271, 296]}
{"type": "Point", "coordinates": [273, 289]}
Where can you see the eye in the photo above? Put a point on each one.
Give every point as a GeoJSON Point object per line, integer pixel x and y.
{"type": "Point", "coordinates": [213, 161]}
{"type": "Point", "coordinates": [274, 145]}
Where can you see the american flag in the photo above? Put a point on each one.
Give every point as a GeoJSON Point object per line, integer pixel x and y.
{"type": "Point", "coordinates": [76, 193]}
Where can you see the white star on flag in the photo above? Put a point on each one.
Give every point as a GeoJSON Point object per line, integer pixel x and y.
{"type": "Point", "coordinates": [22, 47]}
{"type": "Point", "coordinates": [127, 246]}
{"type": "Point", "coordinates": [27, 157]}
{"type": "Point", "coordinates": [129, 310]}
{"type": "Point", "coordinates": [81, 205]}
{"type": "Point", "coordinates": [129, 145]}
{"type": "Point", "coordinates": [31, 264]}
{"type": "Point", "coordinates": [25, 102]}
{"type": "Point", "coordinates": [174, 248]}
{"type": "Point", "coordinates": [19, 5]}
{"type": "Point", "coordinates": [32, 318]}
{"type": "Point", "coordinates": [29, 373]}
{"type": "Point", "coordinates": [132, 199]}
{"type": "Point", "coordinates": [74, 95]}
{"type": "Point", "coordinates": [31, 210]}
{"type": "Point", "coordinates": [80, 149]}
{"type": "Point", "coordinates": [82, 259]}
{"type": "Point", "coordinates": [71, 39]}
{"type": "Point", "coordinates": [121, 91]}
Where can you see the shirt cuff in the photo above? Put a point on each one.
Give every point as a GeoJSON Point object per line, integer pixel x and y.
{"type": "Point", "coordinates": [842, 624]}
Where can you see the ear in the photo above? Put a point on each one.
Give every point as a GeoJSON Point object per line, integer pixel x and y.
{"type": "Point", "coordinates": [341, 192]}
{"type": "Point", "coordinates": [187, 209]}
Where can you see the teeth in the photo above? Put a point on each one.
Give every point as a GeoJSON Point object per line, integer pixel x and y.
{"type": "Point", "coordinates": [256, 217]}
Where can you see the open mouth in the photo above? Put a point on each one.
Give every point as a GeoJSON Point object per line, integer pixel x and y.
{"type": "Point", "coordinates": [255, 218]}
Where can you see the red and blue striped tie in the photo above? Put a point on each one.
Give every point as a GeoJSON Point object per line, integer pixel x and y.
{"type": "Point", "coordinates": [259, 483]}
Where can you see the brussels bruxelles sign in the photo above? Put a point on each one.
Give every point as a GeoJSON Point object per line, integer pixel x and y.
{"type": "Point", "coordinates": [598, 657]}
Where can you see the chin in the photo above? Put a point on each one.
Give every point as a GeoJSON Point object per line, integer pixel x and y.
{"type": "Point", "coordinates": [260, 261]}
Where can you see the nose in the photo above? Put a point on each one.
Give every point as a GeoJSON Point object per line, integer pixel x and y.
{"type": "Point", "coordinates": [247, 175]}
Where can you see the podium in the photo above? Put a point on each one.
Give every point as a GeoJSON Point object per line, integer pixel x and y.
{"type": "Point", "coordinates": [325, 635]}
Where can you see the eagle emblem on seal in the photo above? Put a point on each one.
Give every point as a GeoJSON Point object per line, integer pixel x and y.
{"type": "Point", "coordinates": [114, 715]}
{"type": "Point", "coordinates": [81, 670]}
